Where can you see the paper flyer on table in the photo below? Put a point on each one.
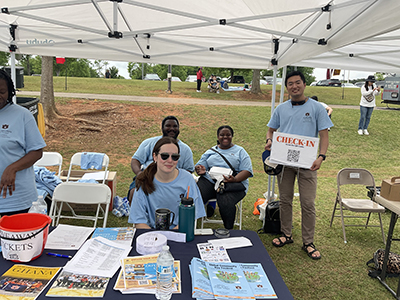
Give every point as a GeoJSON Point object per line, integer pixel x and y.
{"type": "Point", "coordinates": [228, 281]}
{"type": "Point", "coordinates": [293, 150]}
{"type": "Point", "coordinates": [23, 282]}
{"type": "Point", "coordinates": [117, 234]}
{"type": "Point", "coordinates": [208, 252]}
{"type": "Point", "coordinates": [68, 237]}
{"type": "Point", "coordinates": [201, 286]}
{"type": "Point", "coordinates": [70, 284]}
{"type": "Point", "coordinates": [231, 242]}
{"type": "Point", "coordinates": [258, 281]}
{"type": "Point", "coordinates": [99, 255]}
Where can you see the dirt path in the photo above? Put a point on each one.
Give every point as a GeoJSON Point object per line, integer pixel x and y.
{"type": "Point", "coordinates": [167, 100]}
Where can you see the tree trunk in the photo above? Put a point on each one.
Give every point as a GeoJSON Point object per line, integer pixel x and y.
{"type": "Point", "coordinates": [47, 91]}
{"type": "Point", "coordinates": [255, 85]}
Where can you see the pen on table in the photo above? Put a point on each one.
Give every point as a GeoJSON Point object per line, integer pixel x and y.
{"type": "Point", "coordinates": [58, 255]}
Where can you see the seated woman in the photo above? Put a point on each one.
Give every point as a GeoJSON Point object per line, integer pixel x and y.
{"type": "Point", "coordinates": [239, 160]}
{"type": "Point", "coordinates": [161, 185]}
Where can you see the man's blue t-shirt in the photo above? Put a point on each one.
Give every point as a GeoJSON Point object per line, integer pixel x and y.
{"type": "Point", "coordinates": [307, 119]}
{"type": "Point", "coordinates": [144, 154]}
{"type": "Point", "coordinates": [19, 135]}
{"type": "Point", "coordinates": [166, 195]}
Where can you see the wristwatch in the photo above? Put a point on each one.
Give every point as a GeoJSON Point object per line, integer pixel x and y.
{"type": "Point", "coordinates": [323, 156]}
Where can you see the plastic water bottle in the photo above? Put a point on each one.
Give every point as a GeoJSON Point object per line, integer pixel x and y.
{"type": "Point", "coordinates": [165, 265]}
{"type": "Point", "coordinates": [125, 207]}
{"type": "Point", "coordinates": [39, 206]}
{"type": "Point", "coordinates": [186, 217]}
{"type": "Point", "coordinates": [117, 213]}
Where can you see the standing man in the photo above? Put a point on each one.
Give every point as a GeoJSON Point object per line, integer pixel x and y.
{"type": "Point", "coordinates": [199, 79]}
{"type": "Point", "coordinates": [144, 154]}
{"type": "Point", "coordinates": [302, 116]}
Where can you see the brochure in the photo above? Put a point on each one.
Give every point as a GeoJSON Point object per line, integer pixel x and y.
{"type": "Point", "coordinates": [201, 286]}
{"type": "Point", "coordinates": [209, 252]}
{"type": "Point", "coordinates": [23, 282]}
{"type": "Point", "coordinates": [258, 281]}
{"type": "Point", "coordinates": [138, 275]}
{"type": "Point", "coordinates": [69, 284]}
{"type": "Point", "coordinates": [118, 234]}
{"type": "Point", "coordinates": [228, 281]}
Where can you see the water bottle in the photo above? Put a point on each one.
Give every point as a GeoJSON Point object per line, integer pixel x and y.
{"type": "Point", "coordinates": [125, 207]}
{"type": "Point", "coordinates": [117, 202]}
{"type": "Point", "coordinates": [39, 206]}
{"type": "Point", "coordinates": [117, 213]}
{"type": "Point", "coordinates": [165, 265]}
{"type": "Point", "coordinates": [187, 217]}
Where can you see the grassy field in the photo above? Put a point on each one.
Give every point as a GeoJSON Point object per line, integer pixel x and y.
{"type": "Point", "coordinates": [341, 273]}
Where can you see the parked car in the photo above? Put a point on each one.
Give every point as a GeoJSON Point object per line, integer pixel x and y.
{"type": "Point", "coordinates": [152, 77]}
{"type": "Point", "coordinates": [359, 83]}
{"type": "Point", "coordinates": [349, 85]}
{"type": "Point", "coordinates": [313, 83]}
{"type": "Point", "coordinates": [236, 79]}
{"type": "Point", "coordinates": [270, 80]}
{"type": "Point", "coordinates": [329, 82]}
{"type": "Point", "coordinates": [191, 78]}
{"type": "Point", "coordinates": [173, 78]}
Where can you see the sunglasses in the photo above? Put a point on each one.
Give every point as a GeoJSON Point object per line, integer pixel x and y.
{"type": "Point", "coordinates": [165, 156]}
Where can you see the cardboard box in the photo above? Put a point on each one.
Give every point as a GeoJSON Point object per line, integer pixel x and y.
{"type": "Point", "coordinates": [111, 181]}
{"type": "Point", "coordinates": [390, 189]}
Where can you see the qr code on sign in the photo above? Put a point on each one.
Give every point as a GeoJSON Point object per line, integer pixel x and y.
{"type": "Point", "coordinates": [293, 155]}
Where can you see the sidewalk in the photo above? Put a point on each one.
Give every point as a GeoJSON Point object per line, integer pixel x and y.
{"type": "Point", "coordinates": [166, 99]}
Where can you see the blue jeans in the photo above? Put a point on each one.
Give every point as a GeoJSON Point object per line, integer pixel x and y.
{"type": "Point", "coordinates": [365, 117]}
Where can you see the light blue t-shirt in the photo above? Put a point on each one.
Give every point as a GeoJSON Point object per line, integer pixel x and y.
{"type": "Point", "coordinates": [19, 135]}
{"type": "Point", "coordinates": [166, 195]}
{"type": "Point", "coordinates": [307, 119]}
{"type": "Point", "coordinates": [144, 154]}
{"type": "Point", "coordinates": [236, 155]}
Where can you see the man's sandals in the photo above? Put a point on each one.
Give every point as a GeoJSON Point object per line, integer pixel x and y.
{"type": "Point", "coordinates": [310, 253]}
{"type": "Point", "coordinates": [282, 242]}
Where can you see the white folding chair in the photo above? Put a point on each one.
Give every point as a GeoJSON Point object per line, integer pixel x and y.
{"type": "Point", "coordinates": [76, 161]}
{"type": "Point", "coordinates": [80, 193]}
{"type": "Point", "coordinates": [238, 218]}
{"type": "Point", "coordinates": [362, 177]}
{"type": "Point", "coordinates": [50, 159]}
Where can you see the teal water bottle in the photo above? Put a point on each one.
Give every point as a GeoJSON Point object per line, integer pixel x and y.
{"type": "Point", "coordinates": [187, 217]}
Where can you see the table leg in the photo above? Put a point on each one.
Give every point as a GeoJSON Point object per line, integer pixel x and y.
{"type": "Point", "coordinates": [382, 276]}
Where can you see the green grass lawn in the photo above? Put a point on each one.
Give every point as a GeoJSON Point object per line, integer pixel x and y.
{"type": "Point", "coordinates": [341, 273]}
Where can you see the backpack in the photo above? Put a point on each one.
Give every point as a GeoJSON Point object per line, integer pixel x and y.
{"type": "Point", "coordinates": [272, 220]}
{"type": "Point", "coordinates": [376, 263]}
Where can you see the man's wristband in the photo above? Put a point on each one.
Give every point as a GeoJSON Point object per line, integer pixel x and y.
{"type": "Point", "coordinates": [323, 156]}
{"type": "Point", "coordinates": [268, 139]}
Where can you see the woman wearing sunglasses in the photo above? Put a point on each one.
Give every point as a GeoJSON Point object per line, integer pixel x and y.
{"type": "Point", "coordinates": [240, 164]}
{"type": "Point", "coordinates": [161, 185]}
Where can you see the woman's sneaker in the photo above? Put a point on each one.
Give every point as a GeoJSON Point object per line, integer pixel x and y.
{"type": "Point", "coordinates": [360, 131]}
{"type": "Point", "coordinates": [366, 132]}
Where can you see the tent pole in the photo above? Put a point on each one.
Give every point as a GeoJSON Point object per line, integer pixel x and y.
{"type": "Point", "coordinates": [13, 73]}
{"type": "Point", "coordinates": [283, 84]}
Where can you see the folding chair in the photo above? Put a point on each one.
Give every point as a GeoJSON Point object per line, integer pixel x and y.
{"type": "Point", "coordinates": [50, 159]}
{"type": "Point", "coordinates": [361, 177]}
{"type": "Point", "coordinates": [238, 218]}
{"type": "Point", "coordinates": [76, 161]}
{"type": "Point", "coordinates": [80, 193]}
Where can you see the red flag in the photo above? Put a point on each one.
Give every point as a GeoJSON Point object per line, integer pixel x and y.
{"type": "Point", "coordinates": [60, 60]}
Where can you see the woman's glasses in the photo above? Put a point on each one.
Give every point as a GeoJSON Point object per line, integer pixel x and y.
{"type": "Point", "coordinates": [165, 156]}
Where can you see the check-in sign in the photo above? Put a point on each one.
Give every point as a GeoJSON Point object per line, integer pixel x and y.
{"type": "Point", "coordinates": [293, 150]}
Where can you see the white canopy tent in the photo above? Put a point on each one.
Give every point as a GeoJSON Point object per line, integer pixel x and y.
{"type": "Point", "coordinates": [223, 33]}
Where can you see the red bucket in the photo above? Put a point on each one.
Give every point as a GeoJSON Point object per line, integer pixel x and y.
{"type": "Point", "coordinates": [23, 236]}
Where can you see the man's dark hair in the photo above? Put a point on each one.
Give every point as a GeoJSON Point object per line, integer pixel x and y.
{"type": "Point", "coordinates": [10, 85]}
{"type": "Point", "coordinates": [295, 73]}
{"type": "Point", "coordinates": [169, 118]}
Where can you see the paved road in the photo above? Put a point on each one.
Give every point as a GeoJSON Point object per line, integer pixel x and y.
{"type": "Point", "coordinates": [168, 99]}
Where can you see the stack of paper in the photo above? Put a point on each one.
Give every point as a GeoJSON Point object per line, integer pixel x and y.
{"type": "Point", "coordinates": [229, 281]}
{"type": "Point", "coordinates": [138, 275]}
